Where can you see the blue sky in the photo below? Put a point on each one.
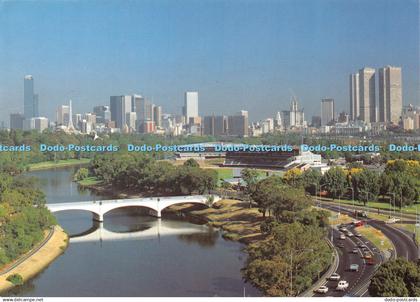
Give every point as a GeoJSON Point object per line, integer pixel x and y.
{"type": "Point", "coordinates": [239, 54]}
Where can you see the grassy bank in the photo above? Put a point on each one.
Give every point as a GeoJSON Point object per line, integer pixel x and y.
{"type": "Point", "coordinates": [38, 261]}
{"type": "Point", "coordinates": [234, 217]}
{"type": "Point", "coordinates": [376, 237]}
{"type": "Point", "coordinates": [57, 164]}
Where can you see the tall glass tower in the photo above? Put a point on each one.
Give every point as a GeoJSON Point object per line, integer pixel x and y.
{"type": "Point", "coordinates": [30, 101]}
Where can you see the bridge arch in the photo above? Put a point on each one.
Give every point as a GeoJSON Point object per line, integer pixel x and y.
{"type": "Point", "coordinates": [96, 214]}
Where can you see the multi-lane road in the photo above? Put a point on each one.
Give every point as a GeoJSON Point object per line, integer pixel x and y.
{"type": "Point", "coordinates": [356, 280]}
{"type": "Point", "coordinates": [402, 240]}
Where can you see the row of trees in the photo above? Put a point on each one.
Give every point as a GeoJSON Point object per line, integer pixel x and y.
{"type": "Point", "coordinates": [146, 175]}
{"type": "Point", "coordinates": [294, 252]}
{"type": "Point", "coordinates": [400, 181]}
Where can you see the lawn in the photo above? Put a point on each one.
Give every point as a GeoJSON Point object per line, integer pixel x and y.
{"type": "Point", "coordinates": [376, 237]}
{"type": "Point", "coordinates": [380, 205]}
{"type": "Point", "coordinates": [56, 164]}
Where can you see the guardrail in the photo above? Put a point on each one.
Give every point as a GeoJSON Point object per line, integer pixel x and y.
{"type": "Point", "coordinates": [324, 278]}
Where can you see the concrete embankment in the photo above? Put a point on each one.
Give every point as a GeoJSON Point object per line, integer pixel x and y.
{"type": "Point", "coordinates": [36, 260]}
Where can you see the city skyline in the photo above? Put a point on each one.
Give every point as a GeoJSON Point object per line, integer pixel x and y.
{"type": "Point", "coordinates": [214, 57]}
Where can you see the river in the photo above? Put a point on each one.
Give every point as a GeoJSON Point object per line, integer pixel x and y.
{"type": "Point", "coordinates": [132, 254]}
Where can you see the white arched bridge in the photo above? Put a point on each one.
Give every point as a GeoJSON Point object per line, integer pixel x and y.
{"type": "Point", "coordinates": [157, 204]}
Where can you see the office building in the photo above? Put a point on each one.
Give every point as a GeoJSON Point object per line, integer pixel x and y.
{"type": "Point", "coordinates": [157, 116]}
{"type": "Point", "coordinates": [16, 121]}
{"type": "Point", "coordinates": [120, 106]}
{"type": "Point", "coordinates": [215, 125]}
{"type": "Point", "coordinates": [63, 115]}
{"type": "Point", "coordinates": [30, 101]}
{"type": "Point", "coordinates": [190, 105]}
{"type": "Point", "coordinates": [354, 97]}
{"type": "Point", "coordinates": [103, 114]}
{"type": "Point", "coordinates": [144, 110]}
{"type": "Point", "coordinates": [131, 118]}
{"type": "Point", "coordinates": [316, 121]}
{"type": "Point", "coordinates": [238, 124]}
{"type": "Point", "coordinates": [367, 95]}
{"type": "Point", "coordinates": [327, 112]}
{"type": "Point", "coordinates": [390, 94]}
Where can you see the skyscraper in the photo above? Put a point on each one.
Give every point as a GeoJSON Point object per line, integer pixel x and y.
{"type": "Point", "coordinates": [30, 101]}
{"type": "Point", "coordinates": [367, 94]}
{"type": "Point", "coordinates": [144, 110]}
{"type": "Point", "coordinates": [238, 124]}
{"type": "Point", "coordinates": [190, 105]}
{"type": "Point", "coordinates": [354, 97]}
{"type": "Point", "coordinates": [157, 116]}
{"type": "Point", "coordinates": [63, 115]}
{"type": "Point", "coordinates": [327, 111]}
{"type": "Point", "coordinates": [16, 120]}
{"type": "Point", "coordinates": [120, 105]}
{"type": "Point", "coordinates": [390, 94]}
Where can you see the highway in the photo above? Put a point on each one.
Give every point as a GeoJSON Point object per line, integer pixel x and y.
{"type": "Point", "coordinates": [356, 280]}
{"type": "Point", "coordinates": [402, 240]}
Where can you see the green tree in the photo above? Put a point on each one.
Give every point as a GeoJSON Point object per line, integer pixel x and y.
{"type": "Point", "coordinates": [396, 278]}
{"type": "Point", "coordinates": [334, 182]}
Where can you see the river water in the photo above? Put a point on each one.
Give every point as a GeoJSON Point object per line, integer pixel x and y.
{"type": "Point", "coordinates": [132, 254]}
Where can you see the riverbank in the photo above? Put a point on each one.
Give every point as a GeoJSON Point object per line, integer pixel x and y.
{"type": "Point", "coordinates": [45, 165]}
{"type": "Point", "coordinates": [234, 217]}
{"type": "Point", "coordinates": [36, 260]}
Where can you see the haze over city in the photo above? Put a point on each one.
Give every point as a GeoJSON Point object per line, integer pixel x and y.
{"type": "Point", "coordinates": [248, 55]}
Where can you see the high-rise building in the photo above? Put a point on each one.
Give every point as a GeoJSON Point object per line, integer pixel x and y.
{"type": "Point", "coordinates": [354, 97]}
{"type": "Point", "coordinates": [30, 101]}
{"type": "Point", "coordinates": [390, 94]}
{"type": "Point", "coordinates": [327, 111]}
{"type": "Point", "coordinates": [238, 124]}
{"type": "Point", "coordinates": [16, 121]}
{"type": "Point", "coordinates": [63, 115]}
{"type": "Point", "coordinates": [144, 110]}
{"type": "Point", "coordinates": [190, 105]}
{"type": "Point", "coordinates": [157, 116]}
{"type": "Point", "coordinates": [103, 114]}
{"type": "Point", "coordinates": [367, 95]}
{"type": "Point", "coordinates": [215, 125]}
{"type": "Point", "coordinates": [293, 118]}
{"type": "Point", "coordinates": [120, 105]}
{"type": "Point", "coordinates": [131, 118]}
{"type": "Point", "coordinates": [41, 123]}
{"type": "Point", "coordinates": [316, 121]}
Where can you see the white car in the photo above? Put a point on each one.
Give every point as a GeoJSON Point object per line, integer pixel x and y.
{"type": "Point", "coordinates": [349, 234]}
{"type": "Point", "coordinates": [342, 285]}
{"type": "Point", "coordinates": [334, 277]}
{"type": "Point", "coordinates": [321, 290]}
{"type": "Point", "coordinates": [392, 220]}
{"type": "Point", "coordinates": [342, 237]}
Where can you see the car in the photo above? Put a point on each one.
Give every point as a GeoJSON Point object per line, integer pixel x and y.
{"type": "Point", "coordinates": [370, 261]}
{"type": "Point", "coordinates": [358, 223]}
{"type": "Point", "coordinates": [334, 277]}
{"type": "Point", "coordinates": [342, 285]}
{"type": "Point", "coordinates": [392, 220]}
{"type": "Point", "coordinates": [357, 234]}
{"type": "Point", "coordinates": [367, 255]}
{"type": "Point", "coordinates": [355, 250]}
{"type": "Point", "coordinates": [321, 290]}
{"type": "Point", "coordinates": [342, 237]}
{"type": "Point", "coordinates": [343, 229]}
{"type": "Point", "coordinates": [354, 268]}
{"type": "Point", "coordinates": [361, 245]}
{"type": "Point", "coordinates": [340, 245]}
{"type": "Point", "coordinates": [349, 234]}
